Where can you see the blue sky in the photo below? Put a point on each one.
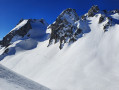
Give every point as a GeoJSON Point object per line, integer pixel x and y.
{"type": "Point", "coordinates": [11, 11]}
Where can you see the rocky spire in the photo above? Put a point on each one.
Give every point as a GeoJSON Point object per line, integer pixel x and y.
{"type": "Point", "coordinates": [94, 9]}
{"type": "Point", "coordinates": [62, 29]}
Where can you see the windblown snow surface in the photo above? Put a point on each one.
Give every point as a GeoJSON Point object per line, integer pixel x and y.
{"type": "Point", "coordinates": [9, 80]}
{"type": "Point", "coordinates": [90, 63]}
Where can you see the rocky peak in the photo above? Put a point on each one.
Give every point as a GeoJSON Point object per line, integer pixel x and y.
{"type": "Point", "coordinates": [94, 9]}
{"type": "Point", "coordinates": [22, 30]}
{"type": "Point", "coordinates": [68, 15]}
{"type": "Point", "coordinates": [63, 29]}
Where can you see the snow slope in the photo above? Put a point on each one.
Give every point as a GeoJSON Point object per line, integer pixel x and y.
{"type": "Point", "coordinates": [90, 63]}
{"type": "Point", "coordinates": [11, 81]}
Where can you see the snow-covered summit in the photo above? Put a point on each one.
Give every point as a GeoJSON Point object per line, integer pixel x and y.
{"type": "Point", "coordinates": [28, 28]}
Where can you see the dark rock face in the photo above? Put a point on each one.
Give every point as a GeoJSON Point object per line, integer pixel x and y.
{"type": "Point", "coordinates": [94, 9]}
{"type": "Point", "coordinates": [63, 29]}
{"type": "Point", "coordinates": [24, 30]}
{"type": "Point", "coordinates": [105, 11]}
{"type": "Point", "coordinates": [101, 19]}
{"type": "Point", "coordinates": [83, 17]}
{"type": "Point", "coordinates": [0, 42]}
{"type": "Point", "coordinates": [20, 32]}
{"type": "Point", "coordinates": [108, 24]}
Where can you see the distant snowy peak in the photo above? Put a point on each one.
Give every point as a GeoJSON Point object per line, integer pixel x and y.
{"type": "Point", "coordinates": [28, 28]}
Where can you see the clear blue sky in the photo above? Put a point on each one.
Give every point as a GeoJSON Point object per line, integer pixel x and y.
{"type": "Point", "coordinates": [11, 11]}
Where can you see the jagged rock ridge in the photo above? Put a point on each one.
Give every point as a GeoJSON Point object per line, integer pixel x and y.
{"type": "Point", "coordinates": [22, 30]}
{"type": "Point", "coordinates": [64, 28]}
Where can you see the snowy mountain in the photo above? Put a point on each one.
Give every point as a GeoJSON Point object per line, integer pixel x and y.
{"type": "Point", "coordinates": [25, 35]}
{"type": "Point", "coordinates": [66, 28]}
{"type": "Point", "coordinates": [73, 53]}
{"type": "Point", "coordinates": [25, 29]}
{"type": "Point", "coordinates": [9, 80]}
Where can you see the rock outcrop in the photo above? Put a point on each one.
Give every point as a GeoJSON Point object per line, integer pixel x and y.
{"type": "Point", "coordinates": [94, 9]}
{"type": "Point", "coordinates": [64, 28]}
